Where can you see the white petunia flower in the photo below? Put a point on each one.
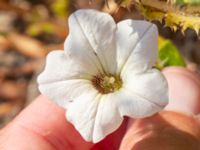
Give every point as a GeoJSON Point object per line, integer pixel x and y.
{"type": "Point", "coordinates": [105, 73]}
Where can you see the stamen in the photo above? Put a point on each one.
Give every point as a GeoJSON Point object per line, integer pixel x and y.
{"type": "Point", "coordinates": [106, 84]}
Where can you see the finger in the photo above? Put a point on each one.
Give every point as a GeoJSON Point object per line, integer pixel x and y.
{"type": "Point", "coordinates": [43, 124]}
{"type": "Point", "coordinates": [166, 131]}
{"type": "Point", "coordinates": [184, 90]}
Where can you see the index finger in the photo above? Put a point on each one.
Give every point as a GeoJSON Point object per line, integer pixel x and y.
{"type": "Point", "coordinates": [45, 122]}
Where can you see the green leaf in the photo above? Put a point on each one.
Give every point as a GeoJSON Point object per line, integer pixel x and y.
{"type": "Point", "coordinates": [168, 54]}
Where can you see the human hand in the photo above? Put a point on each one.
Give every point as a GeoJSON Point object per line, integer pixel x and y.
{"type": "Point", "coordinates": [176, 128]}
{"type": "Point", "coordinates": [42, 125]}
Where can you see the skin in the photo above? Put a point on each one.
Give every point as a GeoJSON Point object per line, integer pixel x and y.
{"type": "Point", "coordinates": [42, 125]}
{"type": "Point", "coordinates": [188, 82]}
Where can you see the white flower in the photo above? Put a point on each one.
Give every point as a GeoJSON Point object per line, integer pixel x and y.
{"type": "Point", "coordinates": [105, 73]}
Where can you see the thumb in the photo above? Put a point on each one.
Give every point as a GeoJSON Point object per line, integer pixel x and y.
{"type": "Point", "coordinates": [166, 130]}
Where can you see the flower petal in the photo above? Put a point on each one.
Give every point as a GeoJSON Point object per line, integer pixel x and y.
{"type": "Point", "coordinates": [136, 45]}
{"type": "Point", "coordinates": [92, 38]}
{"type": "Point", "coordinates": [82, 112]}
{"type": "Point", "coordinates": [63, 77]}
{"type": "Point", "coordinates": [150, 85]}
{"type": "Point", "coordinates": [135, 106]}
{"type": "Point", "coordinates": [108, 118]}
{"type": "Point", "coordinates": [94, 116]}
{"type": "Point", "coordinates": [61, 67]}
{"type": "Point", "coordinates": [64, 92]}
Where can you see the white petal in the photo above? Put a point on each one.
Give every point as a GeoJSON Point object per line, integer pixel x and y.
{"type": "Point", "coordinates": [135, 106]}
{"type": "Point", "coordinates": [82, 112]}
{"type": "Point", "coordinates": [60, 67]}
{"type": "Point", "coordinates": [94, 116]}
{"type": "Point", "coordinates": [136, 45]}
{"type": "Point", "coordinates": [64, 92]}
{"type": "Point", "coordinates": [108, 118]}
{"type": "Point", "coordinates": [63, 76]}
{"type": "Point", "coordinates": [92, 38]}
{"type": "Point", "coordinates": [150, 85]}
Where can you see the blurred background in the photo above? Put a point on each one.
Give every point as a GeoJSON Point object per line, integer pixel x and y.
{"type": "Point", "coordinates": [29, 29]}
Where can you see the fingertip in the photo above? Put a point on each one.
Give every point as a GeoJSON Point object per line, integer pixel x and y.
{"type": "Point", "coordinates": [184, 90]}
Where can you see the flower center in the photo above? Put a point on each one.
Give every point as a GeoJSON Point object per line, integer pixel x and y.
{"type": "Point", "coordinates": [106, 84]}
